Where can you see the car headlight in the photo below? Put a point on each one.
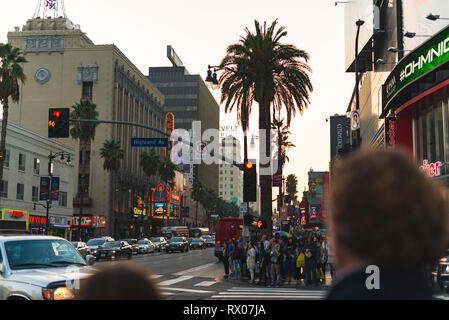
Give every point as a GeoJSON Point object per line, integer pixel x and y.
{"type": "Point", "coordinates": [60, 293]}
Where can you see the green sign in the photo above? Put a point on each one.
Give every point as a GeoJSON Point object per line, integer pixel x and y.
{"type": "Point", "coordinates": [431, 54]}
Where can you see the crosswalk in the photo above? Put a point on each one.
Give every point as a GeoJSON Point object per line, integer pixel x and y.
{"type": "Point", "coordinates": [263, 293]}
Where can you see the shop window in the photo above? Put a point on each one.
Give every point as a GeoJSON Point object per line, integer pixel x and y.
{"type": "Point", "coordinates": [20, 191]}
{"type": "Point", "coordinates": [429, 135]}
{"type": "Point", "coordinates": [35, 194]}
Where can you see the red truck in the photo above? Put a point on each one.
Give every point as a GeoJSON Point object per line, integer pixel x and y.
{"type": "Point", "coordinates": [227, 229]}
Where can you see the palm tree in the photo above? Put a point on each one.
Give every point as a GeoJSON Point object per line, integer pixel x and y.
{"type": "Point", "coordinates": [167, 170]}
{"type": "Point", "coordinates": [85, 133]}
{"type": "Point", "coordinates": [283, 139]}
{"type": "Point", "coordinates": [277, 76]}
{"type": "Point", "coordinates": [112, 154]}
{"type": "Point", "coordinates": [291, 186]}
{"type": "Point", "coordinates": [11, 74]}
{"type": "Point", "coordinates": [197, 195]}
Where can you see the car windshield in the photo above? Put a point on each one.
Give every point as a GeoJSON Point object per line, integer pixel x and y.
{"type": "Point", "coordinates": [196, 240]}
{"type": "Point", "coordinates": [111, 244]}
{"type": "Point", "coordinates": [75, 244]}
{"type": "Point", "coordinates": [156, 240]}
{"type": "Point", "coordinates": [130, 241]}
{"type": "Point", "coordinates": [26, 254]}
{"type": "Point", "coordinates": [96, 242]}
{"type": "Point", "coordinates": [177, 240]}
{"type": "Point", "coordinates": [143, 242]}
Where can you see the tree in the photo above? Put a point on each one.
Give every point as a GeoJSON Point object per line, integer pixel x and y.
{"type": "Point", "coordinates": [167, 170]}
{"type": "Point", "coordinates": [291, 185]}
{"type": "Point", "coordinates": [11, 75]}
{"type": "Point", "coordinates": [197, 195]}
{"type": "Point", "coordinates": [85, 133]}
{"type": "Point", "coordinates": [276, 75]}
{"type": "Point", "coordinates": [112, 154]}
{"type": "Point", "coordinates": [283, 140]}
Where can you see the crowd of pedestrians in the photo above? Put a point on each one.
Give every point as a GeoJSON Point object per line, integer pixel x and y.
{"type": "Point", "coordinates": [300, 259]}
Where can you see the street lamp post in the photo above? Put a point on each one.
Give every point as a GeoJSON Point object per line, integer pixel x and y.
{"type": "Point", "coordinates": [47, 207]}
{"type": "Point", "coordinates": [359, 23]}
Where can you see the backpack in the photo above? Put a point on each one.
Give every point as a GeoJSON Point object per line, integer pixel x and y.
{"type": "Point", "coordinates": [300, 261]}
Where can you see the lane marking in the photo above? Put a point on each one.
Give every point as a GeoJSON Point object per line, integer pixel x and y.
{"type": "Point", "coordinates": [176, 280]}
{"type": "Point", "coordinates": [181, 273]}
{"type": "Point", "coordinates": [189, 290]}
{"type": "Point", "coordinates": [205, 284]}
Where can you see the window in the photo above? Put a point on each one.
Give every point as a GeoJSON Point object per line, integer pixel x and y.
{"type": "Point", "coordinates": [87, 91]}
{"type": "Point", "coordinates": [36, 165]}
{"type": "Point", "coordinates": [35, 194]}
{"type": "Point", "coordinates": [63, 199]}
{"type": "Point", "coordinates": [232, 193]}
{"type": "Point", "coordinates": [4, 189]}
{"type": "Point", "coordinates": [6, 161]}
{"type": "Point", "coordinates": [20, 191]}
{"type": "Point", "coordinates": [21, 162]}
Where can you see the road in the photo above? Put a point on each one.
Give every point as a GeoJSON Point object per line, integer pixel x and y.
{"type": "Point", "coordinates": [197, 275]}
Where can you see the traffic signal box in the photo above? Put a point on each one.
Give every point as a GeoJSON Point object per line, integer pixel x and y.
{"type": "Point", "coordinates": [58, 122]}
{"type": "Point", "coordinates": [249, 181]}
{"type": "Point", "coordinates": [248, 219]}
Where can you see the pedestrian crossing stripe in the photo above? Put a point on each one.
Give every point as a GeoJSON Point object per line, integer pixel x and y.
{"type": "Point", "coordinates": [175, 280]}
{"type": "Point", "coordinates": [270, 293]}
{"type": "Point", "coordinates": [205, 284]}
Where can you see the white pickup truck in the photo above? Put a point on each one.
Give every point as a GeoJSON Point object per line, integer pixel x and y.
{"type": "Point", "coordinates": [40, 268]}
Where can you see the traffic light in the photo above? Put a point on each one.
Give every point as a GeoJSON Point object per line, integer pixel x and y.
{"type": "Point", "coordinates": [249, 181]}
{"type": "Point", "coordinates": [58, 122]}
{"type": "Point", "coordinates": [248, 219]}
{"type": "Point", "coordinates": [261, 224]}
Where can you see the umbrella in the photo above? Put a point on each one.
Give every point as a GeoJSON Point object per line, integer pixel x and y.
{"type": "Point", "coordinates": [284, 234]}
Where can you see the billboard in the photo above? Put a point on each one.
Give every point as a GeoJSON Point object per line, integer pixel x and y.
{"type": "Point", "coordinates": [369, 13]}
{"type": "Point", "coordinates": [415, 13]}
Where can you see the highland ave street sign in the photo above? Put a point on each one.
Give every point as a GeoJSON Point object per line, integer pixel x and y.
{"type": "Point", "coordinates": [430, 55]}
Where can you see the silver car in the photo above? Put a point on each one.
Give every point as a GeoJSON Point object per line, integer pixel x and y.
{"type": "Point", "coordinates": [145, 246]}
{"type": "Point", "coordinates": [40, 268]}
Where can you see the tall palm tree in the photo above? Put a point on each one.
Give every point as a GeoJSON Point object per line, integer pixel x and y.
{"type": "Point", "coordinates": [11, 75]}
{"type": "Point", "coordinates": [283, 140]}
{"type": "Point", "coordinates": [291, 186]}
{"type": "Point", "coordinates": [112, 154]}
{"type": "Point", "coordinates": [85, 133]}
{"type": "Point", "coordinates": [276, 76]}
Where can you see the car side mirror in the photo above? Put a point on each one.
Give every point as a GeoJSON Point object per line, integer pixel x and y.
{"type": "Point", "coordinates": [90, 260]}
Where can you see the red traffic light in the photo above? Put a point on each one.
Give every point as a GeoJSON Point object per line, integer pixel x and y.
{"type": "Point", "coordinates": [248, 165]}
{"type": "Point", "coordinates": [259, 224]}
{"type": "Point", "coordinates": [56, 114]}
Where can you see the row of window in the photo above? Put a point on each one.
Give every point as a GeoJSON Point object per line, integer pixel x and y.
{"type": "Point", "coordinates": [231, 186]}
{"type": "Point", "coordinates": [21, 164]}
{"type": "Point", "coordinates": [231, 193]}
{"type": "Point", "coordinates": [20, 192]}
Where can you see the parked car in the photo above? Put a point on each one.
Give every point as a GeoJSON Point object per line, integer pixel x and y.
{"type": "Point", "coordinates": [115, 250]}
{"type": "Point", "coordinates": [35, 267]}
{"type": "Point", "coordinates": [159, 243]}
{"type": "Point", "coordinates": [209, 241]}
{"type": "Point", "coordinates": [177, 244]}
{"type": "Point", "coordinates": [198, 243]}
{"type": "Point", "coordinates": [145, 246]}
{"type": "Point", "coordinates": [133, 243]}
{"type": "Point", "coordinates": [94, 243]}
{"type": "Point", "coordinates": [82, 248]}
{"type": "Point", "coordinates": [441, 274]}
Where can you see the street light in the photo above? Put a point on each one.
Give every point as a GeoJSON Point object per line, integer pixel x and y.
{"type": "Point", "coordinates": [395, 50]}
{"type": "Point", "coordinates": [435, 17]}
{"type": "Point", "coordinates": [413, 34]}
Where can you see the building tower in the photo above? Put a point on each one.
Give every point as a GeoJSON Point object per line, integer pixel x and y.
{"type": "Point", "coordinates": [50, 9]}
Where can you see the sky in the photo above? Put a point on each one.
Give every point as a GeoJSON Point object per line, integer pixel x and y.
{"type": "Point", "coordinates": [200, 31]}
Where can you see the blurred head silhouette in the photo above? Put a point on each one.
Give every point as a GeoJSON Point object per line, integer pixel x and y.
{"type": "Point", "coordinates": [123, 281]}
{"type": "Point", "coordinates": [384, 210]}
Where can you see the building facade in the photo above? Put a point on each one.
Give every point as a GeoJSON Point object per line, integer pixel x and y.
{"type": "Point", "coordinates": [231, 177]}
{"type": "Point", "coordinates": [63, 66]}
{"type": "Point", "coordinates": [26, 161]}
{"type": "Point", "coordinates": [188, 98]}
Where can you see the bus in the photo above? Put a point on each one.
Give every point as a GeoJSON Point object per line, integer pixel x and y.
{"type": "Point", "coordinates": [196, 232]}
{"type": "Point", "coordinates": [175, 231]}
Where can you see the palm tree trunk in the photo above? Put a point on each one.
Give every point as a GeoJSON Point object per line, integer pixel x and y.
{"type": "Point", "coordinates": [265, 177]}
{"type": "Point", "coordinates": [3, 141]}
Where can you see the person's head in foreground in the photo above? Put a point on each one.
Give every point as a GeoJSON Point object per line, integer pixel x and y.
{"type": "Point", "coordinates": [387, 223]}
{"type": "Point", "coordinates": [123, 281]}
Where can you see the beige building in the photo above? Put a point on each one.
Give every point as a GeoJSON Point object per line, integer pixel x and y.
{"type": "Point", "coordinates": [230, 177]}
{"type": "Point", "coordinates": [64, 65]}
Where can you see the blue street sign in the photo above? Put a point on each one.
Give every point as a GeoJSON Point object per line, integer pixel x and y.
{"type": "Point", "coordinates": [149, 142]}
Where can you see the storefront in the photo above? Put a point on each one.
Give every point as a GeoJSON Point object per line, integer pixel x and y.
{"type": "Point", "coordinates": [88, 227]}
{"type": "Point", "coordinates": [37, 224]}
{"type": "Point", "coordinates": [415, 105]}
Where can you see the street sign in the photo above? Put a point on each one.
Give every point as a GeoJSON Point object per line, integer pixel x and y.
{"type": "Point", "coordinates": [283, 213]}
{"type": "Point", "coordinates": [355, 120]}
{"type": "Point", "coordinates": [44, 185]}
{"type": "Point", "coordinates": [243, 207]}
{"type": "Point", "coordinates": [149, 142]}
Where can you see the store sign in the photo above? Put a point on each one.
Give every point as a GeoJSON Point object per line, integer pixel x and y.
{"type": "Point", "coordinates": [139, 211]}
{"type": "Point", "coordinates": [38, 220]}
{"type": "Point", "coordinates": [9, 214]}
{"type": "Point", "coordinates": [390, 132]}
{"type": "Point", "coordinates": [430, 55]}
{"type": "Point", "coordinates": [431, 169]}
